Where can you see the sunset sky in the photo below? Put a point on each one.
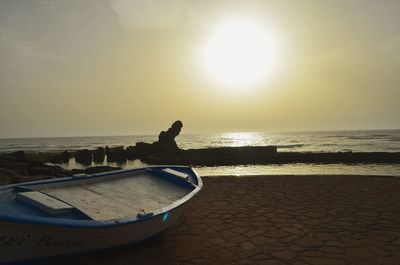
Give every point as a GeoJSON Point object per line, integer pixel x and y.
{"type": "Point", "coordinates": [119, 67]}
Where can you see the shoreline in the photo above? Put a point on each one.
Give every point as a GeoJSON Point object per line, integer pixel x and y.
{"type": "Point", "coordinates": [36, 165]}
{"type": "Point", "coordinates": [215, 156]}
{"type": "Point", "coordinates": [279, 220]}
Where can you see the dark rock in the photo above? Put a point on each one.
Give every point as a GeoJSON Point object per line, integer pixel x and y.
{"type": "Point", "coordinates": [99, 155]}
{"type": "Point", "coordinates": [61, 172]}
{"type": "Point", "coordinates": [116, 154]}
{"type": "Point", "coordinates": [265, 155]}
{"type": "Point", "coordinates": [94, 170]}
{"type": "Point", "coordinates": [56, 159]}
{"type": "Point", "coordinates": [166, 143]}
{"type": "Point", "coordinates": [14, 167]}
{"type": "Point", "coordinates": [132, 152]}
{"type": "Point", "coordinates": [83, 157]}
{"type": "Point", "coordinates": [13, 171]}
{"type": "Point", "coordinates": [166, 139]}
{"type": "Point", "coordinates": [6, 158]}
{"type": "Point", "coordinates": [215, 156]}
{"type": "Point", "coordinates": [143, 149]}
{"type": "Point", "coordinates": [19, 155]}
{"type": "Point", "coordinates": [46, 170]}
{"type": "Point", "coordinates": [8, 172]}
{"type": "Point", "coordinates": [17, 171]}
{"type": "Point", "coordinates": [42, 170]}
{"type": "Point", "coordinates": [99, 169]}
{"type": "Point", "coordinates": [60, 158]}
{"type": "Point", "coordinates": [4, 180]}
{"type": "Point", "coordinates": [65, 156]}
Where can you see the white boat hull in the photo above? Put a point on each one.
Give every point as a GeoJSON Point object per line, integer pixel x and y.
{"type": "Point", "coordinates": [38, 241]}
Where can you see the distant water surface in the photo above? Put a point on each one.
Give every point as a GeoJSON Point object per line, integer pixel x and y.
{"type": "Point", "coordinates": [356, 141]}
{"type": "Point", "coordinates": [327, 141]}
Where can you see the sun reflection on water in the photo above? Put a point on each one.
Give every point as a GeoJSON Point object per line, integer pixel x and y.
{"type": "Point", "coordinates": [243, 139]}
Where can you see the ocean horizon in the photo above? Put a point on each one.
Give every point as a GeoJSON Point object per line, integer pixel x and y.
{"type": "Point", "coordinates": [314, 141]}
{"type": "Point", "coordinates": [298, 141]}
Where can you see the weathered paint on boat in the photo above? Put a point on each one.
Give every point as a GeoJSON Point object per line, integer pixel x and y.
{"type": "Point", "coordinates": [27, 237]}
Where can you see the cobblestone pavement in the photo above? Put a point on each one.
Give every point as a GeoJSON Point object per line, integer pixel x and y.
{"type": "Point", "coordinates": [278, 220]}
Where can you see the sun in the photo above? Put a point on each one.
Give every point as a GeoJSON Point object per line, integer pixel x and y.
{"type": "Point", "coordinates": [238, 54]}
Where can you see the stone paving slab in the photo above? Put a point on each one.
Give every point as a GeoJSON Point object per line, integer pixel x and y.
{"type": "Point", "coordinates": [278, 220]}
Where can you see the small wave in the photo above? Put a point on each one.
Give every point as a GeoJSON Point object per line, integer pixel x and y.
{"type": "Point", "coordinates": [370, 137]}
{"type": "Point", "coordinates": [365, 144]}
{"type": "Point", "coordinates": [11, 146]}
{"type": "Point", "coordinates": [360, 137]}
{"type": "Point", "coordinates": [290, 145]}
{"type": "Point", "coordinates": [337, 136]}
{"type": "Point", "coordinates": [395, 149]}
{"type": "Point", "coordinates": [394, 139]}
{"type": "Point", "coordinates": [380, 135]}
{"type": "Point", "coordinates": [346, 150]}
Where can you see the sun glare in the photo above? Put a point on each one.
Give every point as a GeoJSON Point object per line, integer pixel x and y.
{"type": "Point", "coordinates": [239, 54]}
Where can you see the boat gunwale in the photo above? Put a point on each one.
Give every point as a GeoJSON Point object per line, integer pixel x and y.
{"type": "Point", "coordinates": [73, 223]}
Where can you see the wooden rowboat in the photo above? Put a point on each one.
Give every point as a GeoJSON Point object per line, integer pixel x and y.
{"type": "Point", "coordinates": [90, 212]}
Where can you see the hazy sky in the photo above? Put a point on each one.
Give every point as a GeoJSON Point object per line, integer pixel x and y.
{"type": "Point", "coordinates": [97, 67]}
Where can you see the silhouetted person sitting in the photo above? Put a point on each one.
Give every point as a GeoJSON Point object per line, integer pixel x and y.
{"type": "Point", "coordinates": [166, 139]}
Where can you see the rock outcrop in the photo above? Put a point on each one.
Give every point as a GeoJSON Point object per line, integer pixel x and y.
{"type": "Point", "coordinates": [116, 154]}
{"type": "Point", "coordinates": [19, 155]}
{"type": "Point", "coordinates": [60, 158]}
{"type": "Point", "coordinates": [166, 143]}
{"type": "Point", "coordinates": [265, 155]}
{"type": "Point", "coordinates": [166, 139]}
{"type": "Point", "coordinates": [99, 155]}
{"type": "Point", "coordinates": [15, 171]}
{"type": "Point", "coordinates": [83, 157]}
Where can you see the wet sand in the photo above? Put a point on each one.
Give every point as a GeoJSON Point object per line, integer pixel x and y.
{"type": "Point", "coordinates": [276, 220]}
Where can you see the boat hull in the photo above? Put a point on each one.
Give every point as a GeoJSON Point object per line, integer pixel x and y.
{"type": "Point", "coordinates": [104, 210]}
{"type": "Point", "coordinates": [38, 241]}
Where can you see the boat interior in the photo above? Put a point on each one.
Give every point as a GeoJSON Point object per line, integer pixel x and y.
{"type": "Point", "coordinates": [101, 197]}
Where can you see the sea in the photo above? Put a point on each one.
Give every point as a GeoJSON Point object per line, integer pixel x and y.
{"type": "Point", "coordinates": [316, 141]}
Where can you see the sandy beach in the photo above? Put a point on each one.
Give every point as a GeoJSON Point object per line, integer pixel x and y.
{"type": "Point", "coordinates": [277, 220]}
